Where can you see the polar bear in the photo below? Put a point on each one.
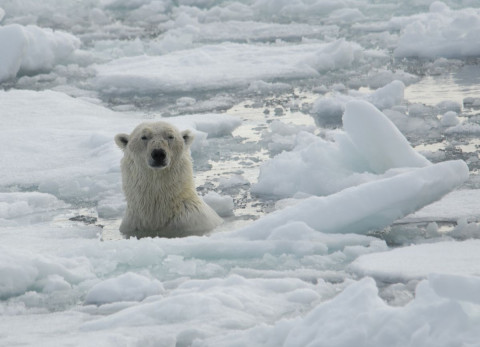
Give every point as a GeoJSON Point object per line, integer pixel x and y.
{"type": "Point", "coordinates": [157, 179]}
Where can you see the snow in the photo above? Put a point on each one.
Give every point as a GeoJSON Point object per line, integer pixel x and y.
{"type": "Point", "coordinates": [338, 139]}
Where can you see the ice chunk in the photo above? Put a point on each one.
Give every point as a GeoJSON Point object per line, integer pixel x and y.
{"type": "Point", "coordinates": [282, 136]}
{"type": "Point", "coordinates": [21, 271]}
{"type": "Point", "coordinates": [456, 287]}
{"type": "Point", "coordinates": [328, 111]}
{"type": "Point", "coordinates": [418, 261]}
{"type": "Point", "coordinates": [378, 139]}
{"type": "Point", "coordinates": [450, 119]}
{"type": "Point", "coordinates": [357, 316]}
{"type": "Point", "coordinates": [388, 95]}
{"type": "Point", "coordinates": [223, 205]}
{"type": "Point", "coordinates": [370, 145]}
{"type": "Point", "coordinates": [449, 105]}
{"type": "Point", "coordinates": [222, 66]}
{"type": "Point", "coordinates": [383, 77]}
{"type": "Point", "coordinates": [457, 204]}
{"type": "Point", "coordinates": [29, 206]}
{"type": "Point", "coordinates": [126, 287]}
{"type": "Point", "coordinates": [32, 49]}
{"type": "Point", "coordinates": [233, 301]}
{"type": "Point", "coordinates": [441, 33]}
{"type": "Point", "coordinates": [372, 205]}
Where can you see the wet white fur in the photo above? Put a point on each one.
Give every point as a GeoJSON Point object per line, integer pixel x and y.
{"type": "Point", "coordinates": [161, 202]}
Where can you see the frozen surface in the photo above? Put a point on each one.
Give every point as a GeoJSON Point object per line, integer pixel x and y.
{"type": "Point", "coordinates": [371, 205]}
{"type": "Point", "coordinates": [456, 205]}
{"type": "Point", "coordinates": [359, 154]}
{"type": "Point", "coordinates": [31, 49]}
{"type": "Point", "coordinates": [441, 32]}
{"type": "Point", "coordinates": [417, 261]}
{"type": "Point", "coordinates": [212, 67]}
{"type": "Point", "coordinates": [358, 317]}
{"type": "Point", "coordinates": [320, 127]}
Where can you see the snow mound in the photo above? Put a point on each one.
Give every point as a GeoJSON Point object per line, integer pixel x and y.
{"type": "Point", "coordinates": [31, 49]}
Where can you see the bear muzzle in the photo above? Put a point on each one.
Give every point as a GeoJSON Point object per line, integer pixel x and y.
{"type": "Point", "coordinates": [158, 159]}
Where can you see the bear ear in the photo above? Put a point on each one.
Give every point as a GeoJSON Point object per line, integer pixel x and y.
{"type": "Point", "coordinates": [122, 140]}
{"type": "Point", "coordinates": [187, 137]}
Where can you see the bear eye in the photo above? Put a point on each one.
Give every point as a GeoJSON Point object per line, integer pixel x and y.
{"type": "Point", "coordinates": [171, 137]}
{"type": "Point", "coordinates": [144, 137]}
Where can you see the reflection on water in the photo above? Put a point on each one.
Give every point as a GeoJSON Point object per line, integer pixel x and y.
{"type": "Point", "coordinates": [454, 86]}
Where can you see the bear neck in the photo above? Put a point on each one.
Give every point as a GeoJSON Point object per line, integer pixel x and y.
{"type": "Point", "coordinates": [149, 191]}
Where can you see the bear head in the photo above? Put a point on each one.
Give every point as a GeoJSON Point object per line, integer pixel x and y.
{"type": "Point", "coordinates": [156, 145]}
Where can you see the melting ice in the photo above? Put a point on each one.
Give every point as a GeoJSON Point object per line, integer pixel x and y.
{"type": "Point", "coordinates": [337, 139]}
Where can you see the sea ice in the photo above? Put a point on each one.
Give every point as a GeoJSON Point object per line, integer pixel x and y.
{"type": "Point", "coordinates": [357, 316]}
{"type": "Point", "coordinates": [441, 33]}
{"type": "Point", "coordinates": [449, 119]}
{"type": "Point", "coordinates": [226, 65]}
{"type": "Point", "coordinates": [328, 111]}
{"type": "Point", "coordinates": [458, 204]}
{"type": "Point", "coordinates": [222, 204]}
{"type": "Point", "coordinates": [418, 261]}
{"type": "Point", "coordinates": [376, 138]}
{"type": "Point", "coordinates": [31, 49]}
{"type": "Point", "coordinates": [372, 205]}
{"type": "Point", "coordinates": [360, 153]}
{"type": "Point", "coordinates": [297, 276]}
{"type": "Point", "coordinates": [126, 287]}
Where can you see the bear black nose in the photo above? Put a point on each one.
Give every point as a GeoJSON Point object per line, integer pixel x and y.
{"type": "Point", "coordinates": [158, 156]}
